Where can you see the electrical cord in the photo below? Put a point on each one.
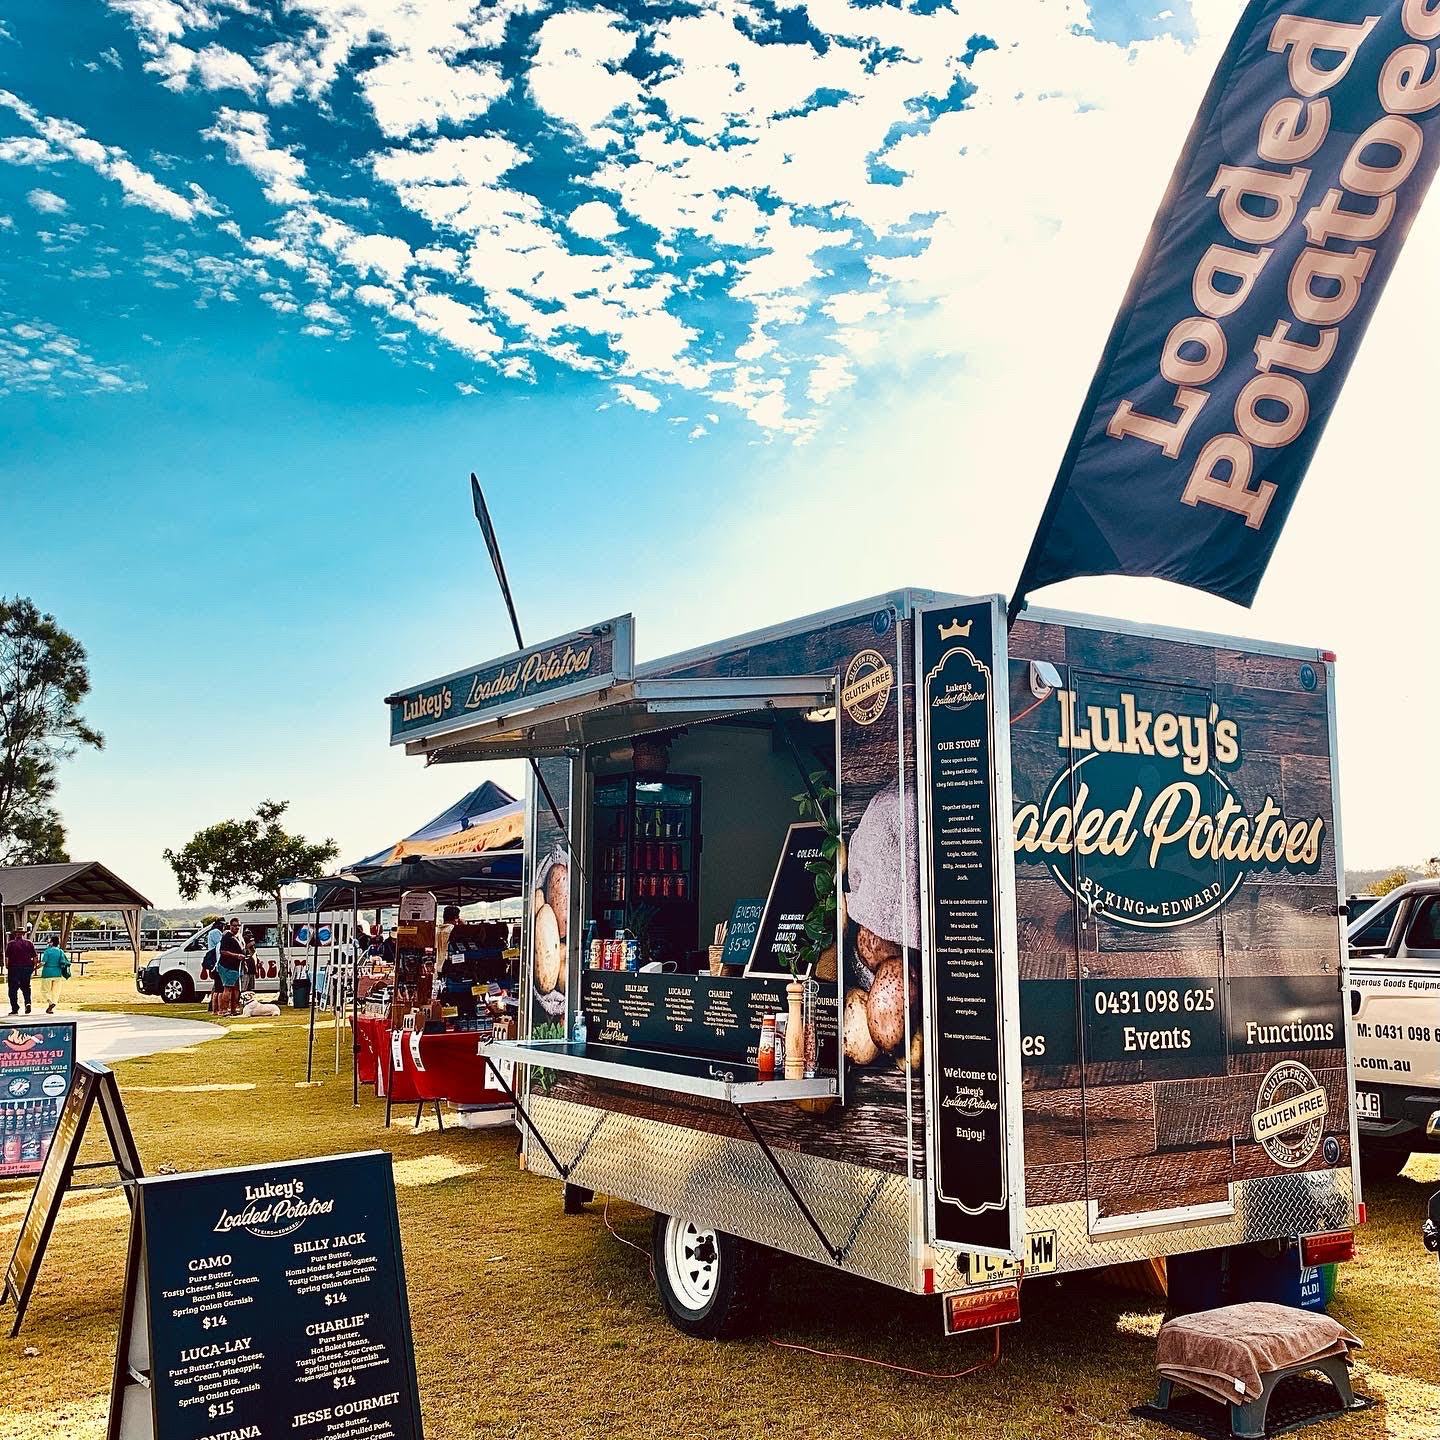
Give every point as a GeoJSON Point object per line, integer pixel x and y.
{"type": "Point", "coordinates": [901, 1369]}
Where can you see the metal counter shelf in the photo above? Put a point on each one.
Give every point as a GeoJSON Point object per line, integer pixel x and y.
{"type": "Point", "coordinates": [660, 1070]}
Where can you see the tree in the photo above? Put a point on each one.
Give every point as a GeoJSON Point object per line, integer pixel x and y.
{"type": "Point", "coordinates": [44, 677]}
{"type": "Point", "coordinates": [1392, 881]}
{"type": "Point", "coordinates": [257, 856]}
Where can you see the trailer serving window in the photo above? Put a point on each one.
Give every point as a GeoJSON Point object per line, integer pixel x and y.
{"type": "Point", "coordinates": [682, 800]}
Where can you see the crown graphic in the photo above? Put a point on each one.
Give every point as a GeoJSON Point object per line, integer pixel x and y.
{"type": "Point", "coordinates": [956, 631]}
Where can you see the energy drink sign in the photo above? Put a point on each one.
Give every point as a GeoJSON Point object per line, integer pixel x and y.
{"type": "Point", "coordinates": [971, 984]}
{"type": "Point", "coordinates": [35, 1066]}
{"type": "Point", "coordinates": [1147, 824]}
{"type": "Point", "coordinates": [577, 664]}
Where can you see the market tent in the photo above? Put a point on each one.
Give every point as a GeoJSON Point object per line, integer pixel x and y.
{"type": "Point", "coordinates": [460, 880]}
{"type": "Point", "coordinates": [76, 887]}
{"type": "Point", "coordinates": [470, 851]}
{"type": "Point", "coordinates": [488, 818]}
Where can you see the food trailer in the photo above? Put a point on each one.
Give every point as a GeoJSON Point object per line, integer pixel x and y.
{"type": "Point", "coordinates": [1062, 900]}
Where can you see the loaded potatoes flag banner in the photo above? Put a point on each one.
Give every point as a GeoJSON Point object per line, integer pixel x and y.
{"type": "Point", "coordinates": [1315, 145]}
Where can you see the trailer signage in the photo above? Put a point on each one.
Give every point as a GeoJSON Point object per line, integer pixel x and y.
{"type": "Point", "coordinates": [575, 664]}
{"type": "Point", "coordinates": [973, 1188]}
{"type": "Point", "coordinates": [1150, 808]}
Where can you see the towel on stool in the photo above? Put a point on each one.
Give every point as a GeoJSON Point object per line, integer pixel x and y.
{"type": "Point", "coordinates": [1224, 1353]}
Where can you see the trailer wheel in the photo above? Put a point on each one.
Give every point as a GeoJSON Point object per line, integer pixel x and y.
{"type": "Point", "coordinates": [709, 1282]}
{"type": "Point", "coordinates": [1382, 1162]}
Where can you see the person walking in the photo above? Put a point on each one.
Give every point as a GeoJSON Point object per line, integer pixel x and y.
{"type": "Point", "coordinates": [20, 962]}
{"type": "Point", "coordinates": [54, 972]}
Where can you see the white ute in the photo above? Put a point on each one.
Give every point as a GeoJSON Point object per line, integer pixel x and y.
{"type": "Point", "coordinates": [1395, 1011]}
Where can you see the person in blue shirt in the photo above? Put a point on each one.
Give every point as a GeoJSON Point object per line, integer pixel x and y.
{"type": "Point", "coordinates": [54, 971]}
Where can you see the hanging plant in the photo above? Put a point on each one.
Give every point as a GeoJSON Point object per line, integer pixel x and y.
{"type": "Point", "coordinates": [820, 919]}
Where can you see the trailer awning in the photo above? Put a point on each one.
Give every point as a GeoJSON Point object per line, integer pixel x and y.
{"type": "Point", "coordinates": [660, 1070]}
{"type": "Point", "coordinates": [622, 710]}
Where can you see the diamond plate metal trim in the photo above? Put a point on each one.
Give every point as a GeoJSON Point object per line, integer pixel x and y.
{"type": "Point", "coordinates": [728, 1184]}
{"type": "Point", "coordinates": [1265, 1209]}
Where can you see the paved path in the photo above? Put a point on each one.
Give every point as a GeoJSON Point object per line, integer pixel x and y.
{"type": "Point", "coordinates": [102, 1036]}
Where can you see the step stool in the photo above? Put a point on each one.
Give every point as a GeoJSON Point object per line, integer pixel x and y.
{"type": "Point", "coordinates": [1247, 1421]}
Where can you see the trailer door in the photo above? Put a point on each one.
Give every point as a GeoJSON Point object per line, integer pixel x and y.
{"type": "Point", "coordinates": [1148, 895]}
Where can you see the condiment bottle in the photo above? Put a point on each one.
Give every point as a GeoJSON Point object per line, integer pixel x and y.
{"type": "Point", "coordinates": [765, 1055]}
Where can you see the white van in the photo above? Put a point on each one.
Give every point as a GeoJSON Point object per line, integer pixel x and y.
{"type": "Point", "coordinates": [174, 974]}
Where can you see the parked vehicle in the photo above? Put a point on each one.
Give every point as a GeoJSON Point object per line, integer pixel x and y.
{"type": "Point", "coordinates": [174, 974]}
{"type": "Point", "coordinates": [1395, 1012]}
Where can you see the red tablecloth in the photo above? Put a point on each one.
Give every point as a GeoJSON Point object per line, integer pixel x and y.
{"type": "Point", "coordinates": [449, 1067]}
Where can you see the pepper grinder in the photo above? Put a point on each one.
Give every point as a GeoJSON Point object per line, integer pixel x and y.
{"type": "Point", "coordinates": [795, 1031]}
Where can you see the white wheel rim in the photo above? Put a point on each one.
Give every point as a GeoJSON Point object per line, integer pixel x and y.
{"type": "Point", "coordinates": [692, 1262]}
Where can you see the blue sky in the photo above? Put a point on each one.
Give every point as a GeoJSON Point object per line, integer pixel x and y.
{"type": "Point", "coordinates": [727, 301]}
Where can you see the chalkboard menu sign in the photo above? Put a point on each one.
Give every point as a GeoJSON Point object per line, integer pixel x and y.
{"type": "Point", "coordinates": [715, 1016]}
{"type": "Point", "coordinates": [92, 1084]}
{"type": "Point", "coordinates": [267, 1301]}
{"type": "Point", "coordinates": [741, 931]}
{"type": "Point", "coordinates": [781, 933]}
{"type": "Point", "coordinates": [963, 805]}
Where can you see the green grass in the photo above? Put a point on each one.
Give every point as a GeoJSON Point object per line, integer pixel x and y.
{"type": "Point", "coordinates": [529, 1323]}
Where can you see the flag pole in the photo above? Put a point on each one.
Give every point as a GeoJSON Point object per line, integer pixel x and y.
{"type": "Point", "coordinates": [492, 544]}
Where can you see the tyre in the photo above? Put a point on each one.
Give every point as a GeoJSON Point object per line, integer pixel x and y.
{"type": "Point", "coordinates": [177, 988]}
{"type": "Point", "coordinates": [1381, 1162]}
{"type": "Point", "coordinates": [709, 1282]}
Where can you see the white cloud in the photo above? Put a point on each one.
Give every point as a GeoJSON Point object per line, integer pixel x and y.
{"type": "Point", "coordinates": [214, 67]}
{"type": "Point", "coordinates": [245, 134]}
{"type": "Point", "coordinates": [27, 150]}
{"type": "Point", "coordinates": [139, 187]}
{"type": "Point", "coordinates": [595, 220]}
{"type": "Point", "coordinates": [47, 202]}
{"type": "Point", "coordinates": [575, 76]}
{"type": "Point", "coordinates": [412, 91]}
{"type": "Point", "coordinates": [37, 357]}
{"type": "Point", "coordinates": [640, 399]}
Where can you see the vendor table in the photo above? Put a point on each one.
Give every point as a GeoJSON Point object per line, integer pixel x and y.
{"type": "Point", "coordinates": [661, 1069]}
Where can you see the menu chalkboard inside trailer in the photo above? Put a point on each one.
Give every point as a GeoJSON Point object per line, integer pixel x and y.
{"type": "Point", "coordinates": [715, 1016]}
{"type": "Point", "coordinates": [268, 1300]}
{"type": "Point", "coordinates": [781, 933]}
{"type": "Point", "coordinates": [971, 1202]}
{"type": "Point", "coordinates": [741, 931]}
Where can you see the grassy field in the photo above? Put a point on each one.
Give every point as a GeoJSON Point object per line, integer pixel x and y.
{"type": "Point", "coordinates": [529, 1323]}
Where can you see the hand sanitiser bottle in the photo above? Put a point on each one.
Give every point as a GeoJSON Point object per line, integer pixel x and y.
{"type": "Point", "coordinates": [579, 1033]}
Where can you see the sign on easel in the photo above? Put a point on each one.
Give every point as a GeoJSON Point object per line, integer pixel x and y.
{"type": "Point", "coordinates": [267, 1300]}
{"type": "Point", "coordinates": [37, 1059]}
{"type": "Point", "coordinates": [92, 1082]}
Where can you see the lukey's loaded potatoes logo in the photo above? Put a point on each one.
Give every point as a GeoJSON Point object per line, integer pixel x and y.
{"type": "Point", "coordinates": [1144, 826]}
{"type": "Point", "coordinates": [535, 671]}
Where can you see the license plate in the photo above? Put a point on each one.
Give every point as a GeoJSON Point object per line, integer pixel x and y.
{"type": "Point", "coordinates": [1367, 1104]}
{"type": "Point", "coordinates": [1040, 1259]}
